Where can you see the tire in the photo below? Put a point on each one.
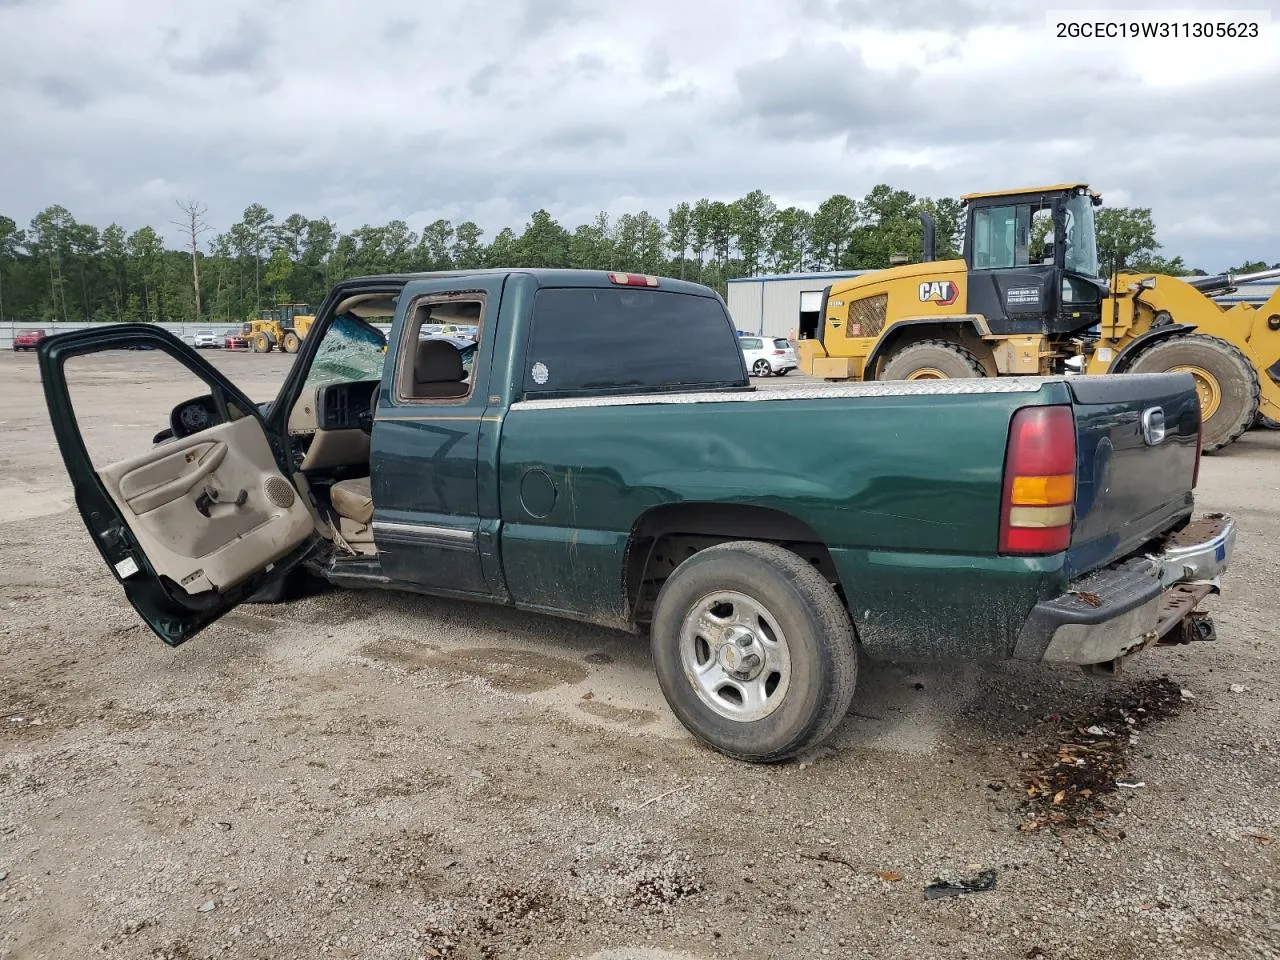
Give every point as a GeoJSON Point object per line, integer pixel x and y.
{"type": "Point", "coordinates": [761, 368]}
{"type": "Point", "coordinates": [1266, 423]}
{"type": "Point", "coordinates": [261, 343]}
{"type": "Point", "coordinates": [1225, 380]}
{"type": "Point", "coordinates": [814, 685]}
{"type": "Point", "coordinates": [782, 373]}
{"type": "Point", "coordinates": [932, 360]}
{"type": "Point", "coordinates": [291, 342]}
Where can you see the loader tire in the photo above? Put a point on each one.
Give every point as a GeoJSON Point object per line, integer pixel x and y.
{"type": "Point", "coordinates": [1225, 380]}
{"type": "Point", "coordinates": [932, 360]}
{"type": "Point", "coordinates": [261, 343]}
{"type": "Point", "coordinates": [291, 342]}
{"type": "Point", "coordinates": [1266, 423]}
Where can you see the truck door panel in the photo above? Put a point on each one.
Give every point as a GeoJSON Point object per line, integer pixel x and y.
{"type": "Point", "coordinates": [426, 444]}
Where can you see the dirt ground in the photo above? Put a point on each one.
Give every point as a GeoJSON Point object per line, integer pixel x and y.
{"type": "Point", "coordinates": [362, 774]}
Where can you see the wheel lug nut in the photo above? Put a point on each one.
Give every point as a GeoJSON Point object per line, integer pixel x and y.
{"type": "Point", "coordinates": [744, 640]}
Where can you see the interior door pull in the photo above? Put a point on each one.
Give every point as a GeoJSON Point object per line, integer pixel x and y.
{"type": "Point", "coordinates": [209, 496]}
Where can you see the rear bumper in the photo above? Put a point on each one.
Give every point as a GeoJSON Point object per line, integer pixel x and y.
{"type": "Point", "coordinates": [1122, 609]}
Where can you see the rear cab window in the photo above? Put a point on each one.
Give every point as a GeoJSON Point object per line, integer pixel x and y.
{"type": "Point", "coordinates": [601, 340]}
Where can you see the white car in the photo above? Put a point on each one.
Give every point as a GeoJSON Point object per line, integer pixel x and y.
{"type": "Point", "coordinates": [768, 355]}
{"type": "Point", "coordinates": [205, 338]}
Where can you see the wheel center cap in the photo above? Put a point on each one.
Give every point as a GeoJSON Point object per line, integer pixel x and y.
{"type": "Point", "coordinates": [741, 655]}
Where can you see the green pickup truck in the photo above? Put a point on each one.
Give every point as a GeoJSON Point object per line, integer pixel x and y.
{"type": "Point", "coordinates": [599, 453]}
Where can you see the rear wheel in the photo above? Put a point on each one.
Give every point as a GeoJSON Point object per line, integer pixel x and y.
{"type": "Point", "coordinates": [754, 651]}
{"type": "Point", "coordinates": [1225, 381]}
{"type": "Point", "coordinates": [261, 343]}
{"type": "Point", "coordinates": [932, 360]}
{"type": "Point", "coordinates": [291, 342]}
{"type": "Point", "coordinates": [761, 368]}
{"type": "Point", "coordinates": [1266, 423]}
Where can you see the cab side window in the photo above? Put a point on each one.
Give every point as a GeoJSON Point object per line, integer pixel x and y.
{"type": "Point", "coordinates": [436, 367]}
{"type": "Point", "coordinates": [603, 340]}
{"type": "Point", "coordinates": [1001, 237]}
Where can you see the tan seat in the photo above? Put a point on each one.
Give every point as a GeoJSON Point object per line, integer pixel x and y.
{"type": "Point", "coordinates": [438, 372]}
{"type": "Point", "coordinates": [353, 499]}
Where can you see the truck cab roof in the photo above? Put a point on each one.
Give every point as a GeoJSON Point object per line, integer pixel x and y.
{"type": "Point", "coordinates": [545, 277]}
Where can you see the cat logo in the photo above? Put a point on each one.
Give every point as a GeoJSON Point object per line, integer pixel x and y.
{"type": "Point", "coordinates": [941, 292]}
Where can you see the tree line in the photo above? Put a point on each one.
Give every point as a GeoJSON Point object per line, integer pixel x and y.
{"type": "Point", "coordinates": [57, 268]}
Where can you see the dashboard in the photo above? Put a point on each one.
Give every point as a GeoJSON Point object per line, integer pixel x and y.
{"type": "Point", "coordinates": [342, 406]}
{"type": "Point", "coordinates": [336, 406]}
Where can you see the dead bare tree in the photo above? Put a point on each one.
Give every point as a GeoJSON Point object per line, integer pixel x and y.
{"type": "Point", "coordinates": [193, 225]}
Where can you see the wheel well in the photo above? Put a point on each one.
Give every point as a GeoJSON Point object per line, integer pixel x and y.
{"type": "Point", "coordinates": [903, 335]}
{"type": "Point", "coordinates": [666, 536]}
{"type": "Point", "coordinates": [1129, 353]}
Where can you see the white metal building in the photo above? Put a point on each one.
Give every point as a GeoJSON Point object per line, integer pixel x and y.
{"type": "Point", "coordinates": [771, 305]}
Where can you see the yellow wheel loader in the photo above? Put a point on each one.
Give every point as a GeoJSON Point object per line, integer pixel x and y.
{"type": "Point", "coordinates": [1157, 323]}
{"type": "Point", "coordinates": [284, 326]}
{"type": "Point", "coordinates": [1002, 310]}
{"type": "Point", "coordinates": [995, 311]}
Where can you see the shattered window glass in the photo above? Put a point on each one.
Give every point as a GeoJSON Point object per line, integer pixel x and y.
{"type": "Point", "coordinates": [351, 351]}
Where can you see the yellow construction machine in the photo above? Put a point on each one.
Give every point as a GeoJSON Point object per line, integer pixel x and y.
{"type": "Point", "coordinates": [285, 326]}
{"type": "Point", "coordinates": [1007, 309]}
{"type": "Point", "coordinates": [1153, 322]}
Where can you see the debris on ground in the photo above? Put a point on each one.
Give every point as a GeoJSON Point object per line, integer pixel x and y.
{"type": "Point", "coordinates": [1067, 781]}
{"type": "Point", "coordinates": [1238, 688]}
{"type": "Point", "coordinates": [978, 883]}
{"type": "Point", "coordinates": [888, 876]}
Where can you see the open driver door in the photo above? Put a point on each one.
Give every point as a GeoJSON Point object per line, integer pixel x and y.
{"type": "Point", "coordinates": [205, 518]}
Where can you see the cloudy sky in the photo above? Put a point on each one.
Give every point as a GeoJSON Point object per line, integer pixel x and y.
{"type": "Point", "coordinates": [488, 109]}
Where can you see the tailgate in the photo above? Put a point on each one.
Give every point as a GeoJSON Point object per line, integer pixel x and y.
{"type": "Point", "coordinates": [1131, 483]}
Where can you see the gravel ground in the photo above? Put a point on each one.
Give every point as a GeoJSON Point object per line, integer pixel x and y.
{"type": "Point", "coordinates": [358, 774]}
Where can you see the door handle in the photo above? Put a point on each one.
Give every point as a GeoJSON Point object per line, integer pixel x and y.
{"type": "Point", "coordinates": [210, 496]}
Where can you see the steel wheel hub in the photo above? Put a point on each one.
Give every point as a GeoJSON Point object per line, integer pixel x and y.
{"type": "Point", "coordinates": [735, 656]}
{"type": "Point", "coordinates": [1207, 388]}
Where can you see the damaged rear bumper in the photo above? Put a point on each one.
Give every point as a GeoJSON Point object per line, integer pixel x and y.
{"type": "Point", "coordinates": [1115, 612]}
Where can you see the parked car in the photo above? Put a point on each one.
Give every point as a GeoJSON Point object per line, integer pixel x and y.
{"type": "Point", "coordinates": [28, 339]}
{"type": "Point", "coordinates": [768, 355]}
{"type": "Point", "coordinates": [593, 466]}
{"type": "Point", "coordinates": [235, 341]}
{"type": "Point", "coordinates": [206, 339]}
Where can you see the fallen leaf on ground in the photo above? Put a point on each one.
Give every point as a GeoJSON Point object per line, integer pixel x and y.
{"type": "Point", "coordinates": [888, 876]}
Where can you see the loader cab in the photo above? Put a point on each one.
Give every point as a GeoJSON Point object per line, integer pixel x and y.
{"type": "Point", "coordinates": [284, 313]}
{"type": "Point", "coordinates": [1032, 259]}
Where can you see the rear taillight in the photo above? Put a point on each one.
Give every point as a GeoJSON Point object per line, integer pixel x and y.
{"type": "Point", "coordinates": [1195, 474]}
{"type": "Point", "coordinates": [1038, 500]}
{"type": "Point", "coordinates": [779, 353]}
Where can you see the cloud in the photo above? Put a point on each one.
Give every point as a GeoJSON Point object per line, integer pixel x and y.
{"type": "Point", "coordinates": [491, 109]}
{"type": "Point", "coordinates": [69, 94]}
{"type": "Point", "coordinates": [243, 48]}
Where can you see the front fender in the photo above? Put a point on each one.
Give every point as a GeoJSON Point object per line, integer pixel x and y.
{"type": "Point", "coordinates": [1124, 359]}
